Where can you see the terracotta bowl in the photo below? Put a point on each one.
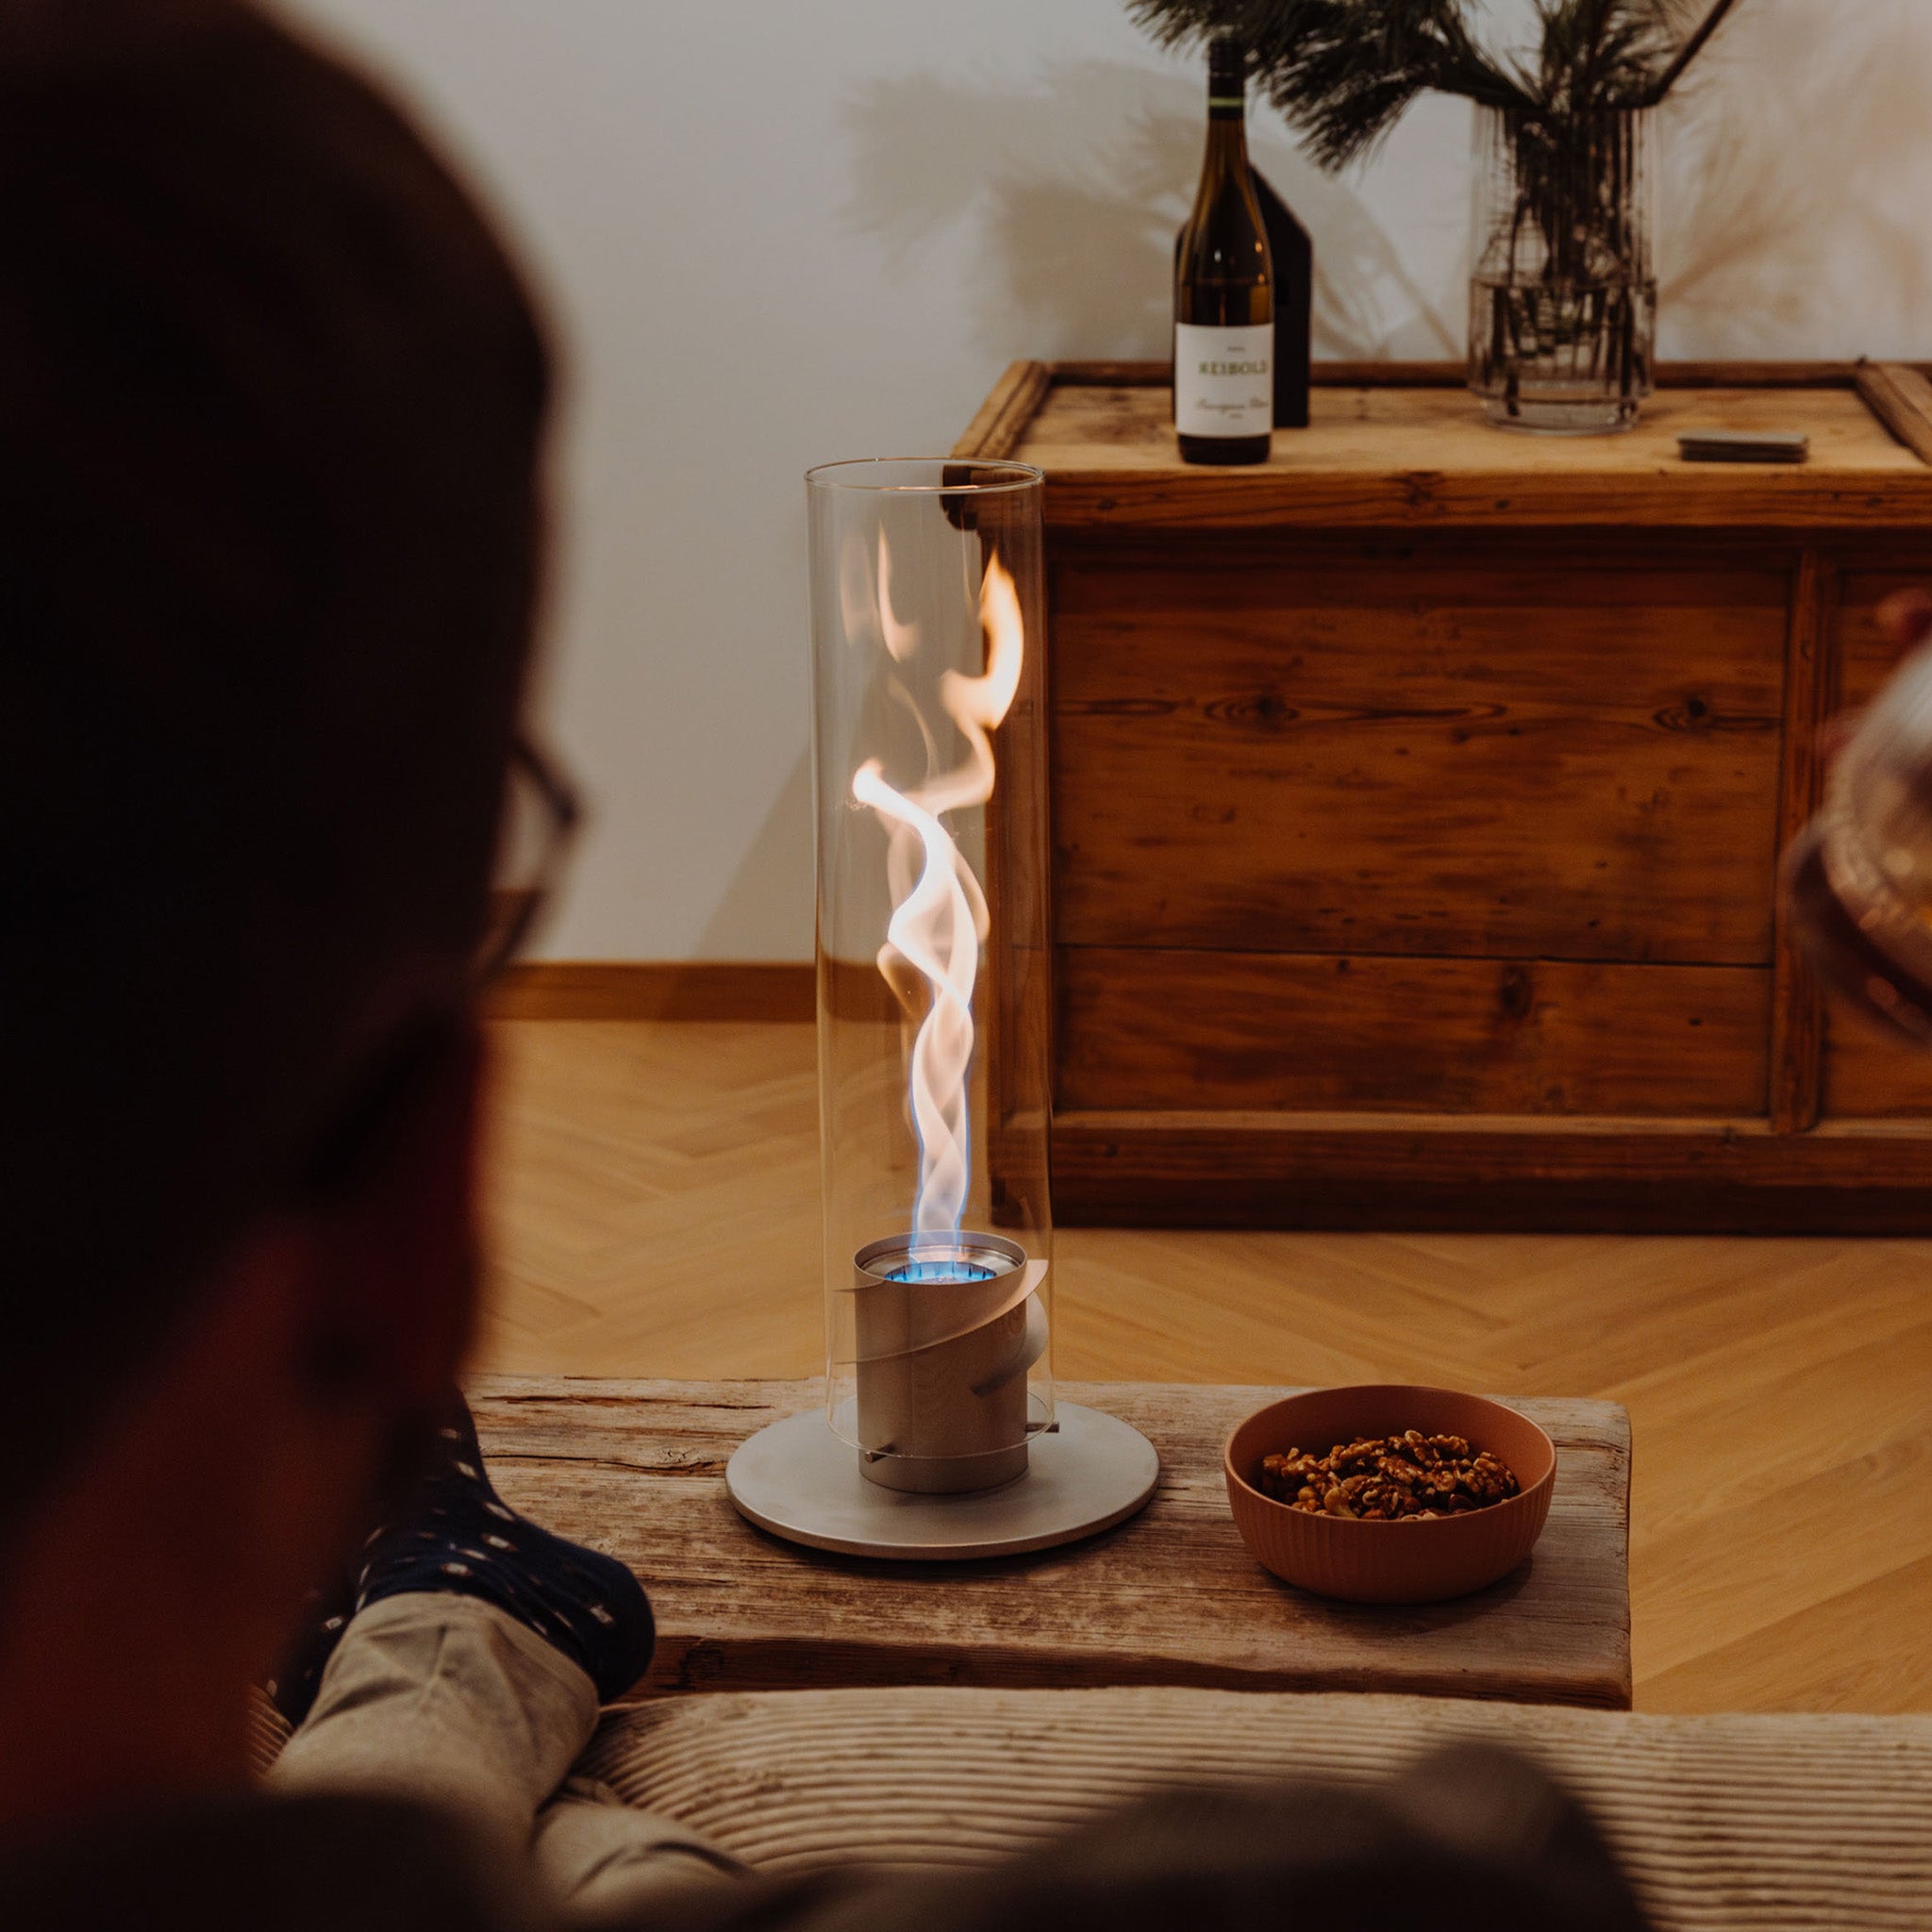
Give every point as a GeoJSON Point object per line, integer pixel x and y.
{"type": "Point", "coordinates": [1389, 1562]}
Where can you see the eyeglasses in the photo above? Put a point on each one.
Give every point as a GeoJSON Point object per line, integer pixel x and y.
{"type": "Point", "coordinates": [541, 814]}
{"type": "Point", "coordinates": [539, 817]}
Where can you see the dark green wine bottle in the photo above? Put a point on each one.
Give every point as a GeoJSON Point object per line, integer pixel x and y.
{"type": "Point", "coordinates": [1224, 289]}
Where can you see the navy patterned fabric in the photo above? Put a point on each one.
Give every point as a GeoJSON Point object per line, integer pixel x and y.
{"type": "Point", "coordinates": [461, 1539]}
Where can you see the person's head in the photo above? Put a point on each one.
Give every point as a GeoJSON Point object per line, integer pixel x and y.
{"type": "Point", "coordinates": [272, 400]}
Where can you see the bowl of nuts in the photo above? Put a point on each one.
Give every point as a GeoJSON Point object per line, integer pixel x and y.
{"type": "Point", "coordinates": [1390, 1494]}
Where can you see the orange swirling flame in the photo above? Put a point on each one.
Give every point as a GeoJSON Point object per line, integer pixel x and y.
{"type": "Point", "coordinates": [937, 926]}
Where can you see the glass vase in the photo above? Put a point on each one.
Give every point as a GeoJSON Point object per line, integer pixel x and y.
{"type": "Point", "coordinates": [929, 764]}
{"type": "Point", "coordinates": [1562, 324]}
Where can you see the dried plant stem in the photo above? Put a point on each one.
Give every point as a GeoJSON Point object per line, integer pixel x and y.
{"type": "Point", "coordinates": [1689, 51]}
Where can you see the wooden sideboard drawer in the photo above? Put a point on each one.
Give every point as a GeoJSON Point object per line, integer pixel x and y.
{"type": "Point", "coordinates": [1416, 805]}
{"type": "Point", "coordinates": [1435, 746]}
{"type": "Point", "coordinates": [1141, 1029]}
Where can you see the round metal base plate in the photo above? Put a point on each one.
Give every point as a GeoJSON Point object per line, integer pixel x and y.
{"type": "Point", "coordinates": [801, 1482]}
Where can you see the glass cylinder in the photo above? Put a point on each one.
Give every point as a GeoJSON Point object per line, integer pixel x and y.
{"type": "Point", "coordinates": [1562, 322]}
{"type": "Point", "coordinates": [934, 999]}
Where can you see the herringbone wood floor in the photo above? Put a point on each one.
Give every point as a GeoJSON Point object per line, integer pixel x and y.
{"type": "Point", "coordinates": [654, 1188]}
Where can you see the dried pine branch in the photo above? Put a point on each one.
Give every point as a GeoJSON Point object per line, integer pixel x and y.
{"type": "Point", "coordinates": [1598, 54]}
{"type": "Point", "coordinates": [1342, 71]}
{"type": "Point", "coordinates": [1689, 51]}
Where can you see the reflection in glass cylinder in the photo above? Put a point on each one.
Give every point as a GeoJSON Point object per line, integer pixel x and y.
{"type": "Point", "coordinates": [1859, 877]}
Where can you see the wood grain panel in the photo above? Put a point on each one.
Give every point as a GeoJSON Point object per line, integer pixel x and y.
{"type": "Point", "coordinates": [1797, 999]}
{"type": "Point", "coordinates": [1406, 749]}
{"type": "Point", "coordinates": [1411, 457]}
{"type": "Point", "coordinates": [1146, 1028]}
{"type": "Point", "coordinates": [1002, 420]}
{"type": "Point", "coordinates": [1901, 398]}
{"type": "Point", "coordinates": [1868, 1073]}
{"type": "Point", "coordinates": [1259, 1169]}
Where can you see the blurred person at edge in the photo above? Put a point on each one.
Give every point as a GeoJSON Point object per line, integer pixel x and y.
{"type": "Point", "coordinates": [272, 413]}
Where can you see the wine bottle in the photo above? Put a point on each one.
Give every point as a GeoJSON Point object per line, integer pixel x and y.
{"type": "Point", "coordinates": [1224, 289]}
{"type": "Point", "coordinates": [1291, 255]}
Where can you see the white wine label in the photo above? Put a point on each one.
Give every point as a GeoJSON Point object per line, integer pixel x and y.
{"type": "Point", "coordinates": [1223, 380]}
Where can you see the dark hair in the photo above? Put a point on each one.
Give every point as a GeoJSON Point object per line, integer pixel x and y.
{"type": "Point", "coordinates": [272, 399]}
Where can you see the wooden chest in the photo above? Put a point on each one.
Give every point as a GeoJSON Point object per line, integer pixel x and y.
{"type": "Point", "coordinates": [1417, 800]}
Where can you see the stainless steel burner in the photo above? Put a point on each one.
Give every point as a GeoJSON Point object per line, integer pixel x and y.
{"type": "Point", "coordinates": [947, 1330]}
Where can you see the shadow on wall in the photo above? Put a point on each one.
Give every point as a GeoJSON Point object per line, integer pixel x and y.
{"type": "Point", "coordinates": [1080, 188]}
{"type": "Point", "coordinates": [1796, 173]}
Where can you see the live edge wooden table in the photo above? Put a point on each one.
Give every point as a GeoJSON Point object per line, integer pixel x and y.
{"type": "Point", "coordinates": [637, 1469]}
{"type": "Point", "coordinates": [1416, 803]}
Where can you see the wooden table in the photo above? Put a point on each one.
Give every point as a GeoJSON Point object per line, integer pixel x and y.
{"type": "Point", "coordinates": [1172, 1597]}
{"type": "Point", "coordinates": [1417, 798]}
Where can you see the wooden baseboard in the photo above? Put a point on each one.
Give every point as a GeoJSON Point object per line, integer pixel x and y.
{"type": "Point", "coordinates": [656, 989]}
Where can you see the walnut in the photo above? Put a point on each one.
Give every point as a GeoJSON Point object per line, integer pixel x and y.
{"type": "Point", "coordinates": [1410, 1477]}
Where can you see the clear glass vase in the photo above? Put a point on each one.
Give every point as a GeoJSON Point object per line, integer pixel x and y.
{"type": "Point", "coordinates": [1562, 316]}
{"type": "Point", "coordinates": [929, 763]}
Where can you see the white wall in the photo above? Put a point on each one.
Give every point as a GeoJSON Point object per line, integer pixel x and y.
{"type": "Point", "coordinates": [780, 231]}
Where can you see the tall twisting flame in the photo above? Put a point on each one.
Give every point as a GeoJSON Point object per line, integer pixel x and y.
{"type": "Point", "coordinates": [938, 925]}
